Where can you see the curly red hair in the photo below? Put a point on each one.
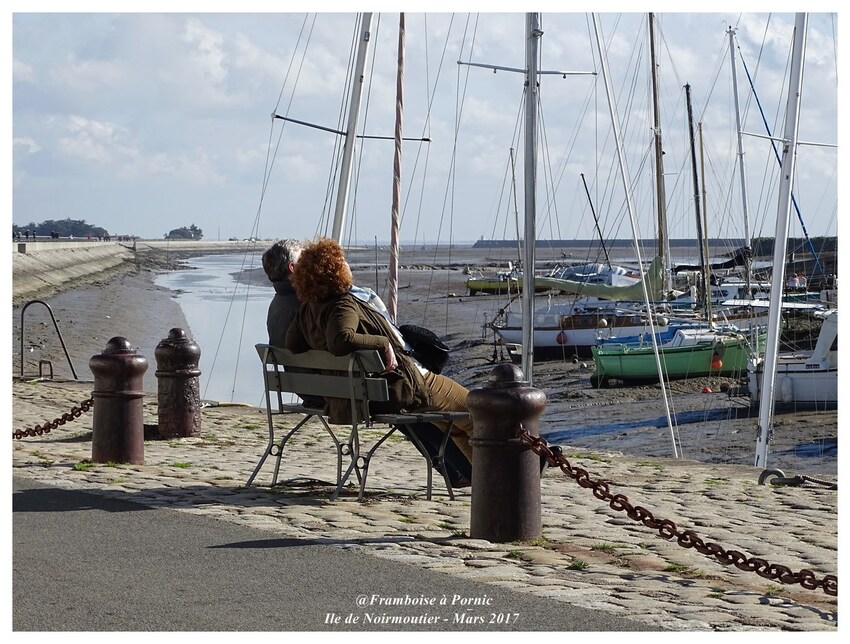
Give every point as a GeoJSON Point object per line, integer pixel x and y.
{"type": "Point", "coordinates": [321, 271]}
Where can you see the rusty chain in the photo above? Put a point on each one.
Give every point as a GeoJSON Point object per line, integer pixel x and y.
{"type": "Point", "coordinates": [38, 430]}
{"type": "Point", "coordinates": [668, 529]}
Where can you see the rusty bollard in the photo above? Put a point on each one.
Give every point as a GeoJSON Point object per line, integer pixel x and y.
{"type": "Point", "coordinates": [505, 472]}
{"type": "Point", "coordinates": [178, 391]}
{"type": "Point", "coordinates": [118, 429]}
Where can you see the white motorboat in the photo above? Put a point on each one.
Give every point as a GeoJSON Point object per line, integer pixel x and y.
{"type": "Point", "coordinates": [804, 379]}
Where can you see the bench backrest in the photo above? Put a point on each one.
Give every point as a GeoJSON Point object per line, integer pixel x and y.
{"type": "Point", "coordinates": [320, 373]}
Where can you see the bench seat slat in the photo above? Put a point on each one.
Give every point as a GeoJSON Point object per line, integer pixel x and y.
{"type": "Point", "coordinates": [327, 385]}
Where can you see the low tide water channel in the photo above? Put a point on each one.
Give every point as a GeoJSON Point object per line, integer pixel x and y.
{"type": "Point", "coordinates": [226, 319]}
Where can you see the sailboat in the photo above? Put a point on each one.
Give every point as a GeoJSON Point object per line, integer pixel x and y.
{"type": "Point", "coordinates": [804, 379]}
{"type": "Point", "coordinates": [796, 379]}
{"type": "Point", "coordinates": [505, 282]}
{"type": "Point", "coordinates": [777, 378]}
{"type": "Point", "coordinates": [603, 309]}
{"type": "Point", "coordinates": [602, 312]}
{"type": "Point", "coordinates": [709, 351]}
{"type": "Point", "coordinates": [691, 352]}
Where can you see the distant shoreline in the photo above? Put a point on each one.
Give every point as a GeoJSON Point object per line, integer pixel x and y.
{"type": "Point", "coordinates": [762, 246]}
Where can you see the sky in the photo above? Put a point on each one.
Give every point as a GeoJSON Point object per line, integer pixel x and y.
{"type": "Point", "coordinates": [147, 121]}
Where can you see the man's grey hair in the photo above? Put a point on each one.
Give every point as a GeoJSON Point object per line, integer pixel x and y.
{"type": "Point", "coordinates": [279, 256]}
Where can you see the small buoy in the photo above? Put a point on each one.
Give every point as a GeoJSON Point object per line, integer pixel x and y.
{"type": "Point", "coordinates": [716, 362]}
{"type": "Point", "coordinates": [602, 324]}
{"type": "Point", "coordinates": [584, 365]}
{"type": "Point", "coordinates": [561, 338]}
{"type": "Point", "coordinates": [724, 386]}
{"type": "Point", "coordinates": [706, 390]}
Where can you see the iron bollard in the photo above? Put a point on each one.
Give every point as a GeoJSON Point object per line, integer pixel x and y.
{"type": "Point", "coordinates": [118, 429]}
{"type": "Point", "coordinates": [178, 392]}
{"type": "Point", "coordinates": [505, 472]}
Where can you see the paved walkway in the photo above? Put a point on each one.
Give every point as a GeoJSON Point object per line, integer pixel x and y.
{"type": "Point", "coordinates": [589, 555]}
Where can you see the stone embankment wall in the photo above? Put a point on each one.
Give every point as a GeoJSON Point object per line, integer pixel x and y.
{"type": "Point", "coordinates": [43, 267]}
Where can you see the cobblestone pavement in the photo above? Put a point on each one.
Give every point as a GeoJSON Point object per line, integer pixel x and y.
{"type": "Point", "coordinates": [589, 554]}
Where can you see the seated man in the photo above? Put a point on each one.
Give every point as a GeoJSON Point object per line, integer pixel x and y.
{"type": "Point", "coordinates": [278, 262]}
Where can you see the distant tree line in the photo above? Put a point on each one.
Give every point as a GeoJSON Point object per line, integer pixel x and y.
{"type": "Point", "coordinates": [192, 232]}
{"type": "Point", "coordinates": [80, 229]}
{"type": "Point", "coordinates": [60, 227]}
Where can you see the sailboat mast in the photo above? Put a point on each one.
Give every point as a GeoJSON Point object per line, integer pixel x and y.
{"type": "Point", "coordinates": [704, 284]}
{"type": "Point", "coordinates": [596, 222]}
{"type": "Point", "coordinates": [747, 240]}
{"type": "Point", "coordinates": [351, 128]}
{"type": "Point", "coordinates": [780, 248]}
{"type": "Point", "coordinates": [516, 205]}
{"type": "Point", "coordinates": [533, 35]}
{"type": "Point", "coordinates": [707, 265]}
{"type": "Point", "coordinates": [621, 162]}
{"type": "Point", "coordinates": [663, 241]}
{"type": "Point", "coordinates": [392, 273]}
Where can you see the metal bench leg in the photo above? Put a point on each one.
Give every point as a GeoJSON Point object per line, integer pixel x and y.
{"type": "Point", "coordinates": [283, 445]}
{"type": "Point", "coordinates": [428, 462]}
{"type": "Point", "coordinates": [442, 464]}
{"type": "Point", "coordinates": [352, 450]}
{"type": "Point", "coordinates": [367, 459]}
{"type": "Point", "coordinates": [270, 450]}
{"type": "Point", "coordinates": [338, 446]}
{"type": "Point", "coordinates": [360, 464]}
{"type": "Point", "coordinates": [269, 447]}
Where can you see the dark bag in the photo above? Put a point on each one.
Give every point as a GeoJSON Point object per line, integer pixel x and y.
{"type": "Point", "coordinates": [427, 347]}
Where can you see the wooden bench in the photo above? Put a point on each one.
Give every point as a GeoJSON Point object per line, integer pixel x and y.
{"type": "Point", "coordinates": [353, 377]}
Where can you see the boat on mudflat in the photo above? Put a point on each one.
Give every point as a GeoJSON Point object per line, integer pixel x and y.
{"type": "Point", "coordinates": [692, 352]}
{"type": "Point", "coordinates": [505, 282]}
{"type": "Point", "coordinates": [804, 379]}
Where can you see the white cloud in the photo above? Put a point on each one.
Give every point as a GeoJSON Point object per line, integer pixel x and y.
{"type": "Point", "coordinates": [27, 143]}
{"type": "Point", "coordinates": [207, 51]}
{"type": "Point", "coordinates": [87, 77]}
{"type": "Point", "coordinates": [22, 72]}
{"type": "Point", "coordinates": [94, 140]}
{"type": "Point", "coordinates": [196, 167]}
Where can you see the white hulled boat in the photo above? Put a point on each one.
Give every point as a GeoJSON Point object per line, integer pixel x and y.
{"type": "Point", "coordinates": [804, 379]}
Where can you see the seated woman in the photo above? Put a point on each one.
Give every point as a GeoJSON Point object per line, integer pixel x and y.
{"type": "Point", "coordinates": [332, 319]}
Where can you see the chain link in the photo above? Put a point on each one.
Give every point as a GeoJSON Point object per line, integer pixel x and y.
{"type": "Point", "coordinates": [38, 430]}
{"type": "Point", "coordinates": [668, 529]}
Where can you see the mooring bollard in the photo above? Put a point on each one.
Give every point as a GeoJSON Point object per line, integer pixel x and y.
{"type": "Point", "coordinates": [178, 391]}
{"type": "Point", "coordinates": [505, 472]}
{"type": "Point", "coordinates": [118, 429]}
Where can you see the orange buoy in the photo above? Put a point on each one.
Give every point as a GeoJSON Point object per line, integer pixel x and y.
{"type": "Point", "coordinates": [716, 362]}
